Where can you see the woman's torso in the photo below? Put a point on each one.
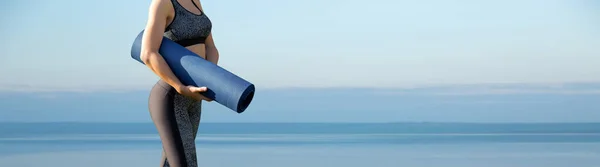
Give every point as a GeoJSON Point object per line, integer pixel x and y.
{"type": "Point", "coordinates": [188, 26]}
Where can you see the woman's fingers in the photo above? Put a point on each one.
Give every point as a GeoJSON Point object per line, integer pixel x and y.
{"type": "Point", "coordinates": [196, 93]}
{"type": "Point", "coordinates": [199, 97]}
{"type": "Point", "coordinates": [199, 89]}
{"type": "Point", "coordinates": [207, 99]}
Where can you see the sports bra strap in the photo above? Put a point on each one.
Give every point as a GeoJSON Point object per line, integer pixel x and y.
{"type": "Point", "coordinates": [196, 5]}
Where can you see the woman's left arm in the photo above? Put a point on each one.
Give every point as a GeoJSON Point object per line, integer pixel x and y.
{"type": "Point", "coordinates": [212, 54]}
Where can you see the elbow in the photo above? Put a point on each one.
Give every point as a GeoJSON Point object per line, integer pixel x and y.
{"type": "Point", "coordinates": [147, 56]}
{"type": "Point", "coordinates": [213, 55]}
{"type": "Point", "coordinates": [212, 51]}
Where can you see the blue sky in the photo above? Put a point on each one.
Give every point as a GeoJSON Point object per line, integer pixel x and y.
{"type": "Point", "coordinates": [68, 45]}
{"type": "Point", "coordinates": [380, 43]}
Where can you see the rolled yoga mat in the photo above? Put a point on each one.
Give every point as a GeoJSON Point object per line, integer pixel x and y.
{"type": "Point", "coordinates": [223, 86]}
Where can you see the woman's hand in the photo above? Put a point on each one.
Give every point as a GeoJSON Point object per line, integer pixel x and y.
{"type": "Point", "coordinates": [193, 92]}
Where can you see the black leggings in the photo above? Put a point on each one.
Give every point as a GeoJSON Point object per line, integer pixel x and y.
{"type": "Point", "coordinates": [176, 118]}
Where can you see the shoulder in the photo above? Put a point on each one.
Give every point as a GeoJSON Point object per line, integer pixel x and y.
{"type": "Point", "coordinates": [162, 2]}
{"type": "Point", "coordinates": [161, 7]}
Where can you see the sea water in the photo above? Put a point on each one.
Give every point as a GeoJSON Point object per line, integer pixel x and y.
{"type": "Point", "coordinates": [307, 145]}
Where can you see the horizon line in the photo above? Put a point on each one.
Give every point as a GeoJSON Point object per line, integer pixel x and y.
{"type": "Point", "coordinates": [387, 122]}
{"type": "Point", "coordinates": [440, 89]}
{"type": "Point", "coordinates": [4, 87]}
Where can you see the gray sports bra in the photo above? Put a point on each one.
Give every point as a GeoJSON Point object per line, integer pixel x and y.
{"type": "Point", "coordinates": [188, 28]}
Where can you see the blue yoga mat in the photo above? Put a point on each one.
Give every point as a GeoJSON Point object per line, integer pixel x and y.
{"type": "Point", "coordinates": [223, 86]}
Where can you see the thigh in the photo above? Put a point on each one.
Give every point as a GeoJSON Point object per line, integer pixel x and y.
{"type": "Point", "coordinates": [186, 128]}
{"type": "Point", "coordinates": [195, 113]}
{"type": "Point", "coordinates": [162, 111]}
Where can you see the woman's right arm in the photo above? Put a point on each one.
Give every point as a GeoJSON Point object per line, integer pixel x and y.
{"type": "Point", "coordinates": [151, 41]}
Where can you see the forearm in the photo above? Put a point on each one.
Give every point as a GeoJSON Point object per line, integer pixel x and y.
{"type": "Point", "coordinates": [159, 66]}
{"type": "Point", "coordinates": [212, 54]}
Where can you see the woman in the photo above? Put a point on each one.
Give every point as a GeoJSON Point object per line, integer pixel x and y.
{"type": "Point", "coordinates": [175, 108]}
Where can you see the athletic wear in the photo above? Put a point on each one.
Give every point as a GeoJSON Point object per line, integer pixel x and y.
{"type": "Point", "coordinates": [188, 28]}
{"type": "Point", "coordinates": [175, 116]}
